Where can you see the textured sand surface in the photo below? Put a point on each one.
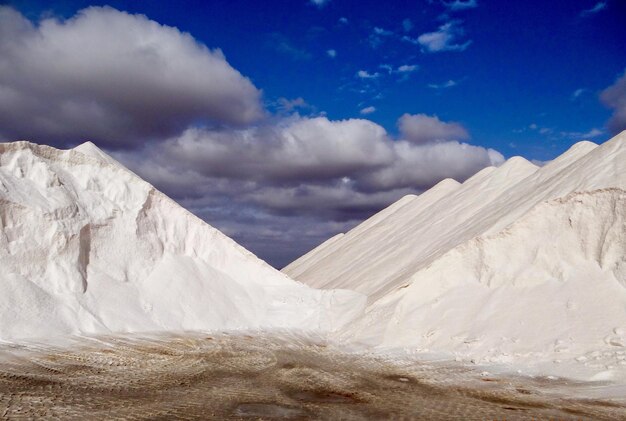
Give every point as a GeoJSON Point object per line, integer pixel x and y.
{"type": "Point", "coordinates": [193, 376]}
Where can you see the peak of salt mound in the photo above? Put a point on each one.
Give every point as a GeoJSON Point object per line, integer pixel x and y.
{"type": "Point", "coordinates": [538, 236]}
{"type": "Point", "coordinates": [88, 247]}
{"type": "Point", "coordinates": [516, 164]}
{"type": "Point", "coordinates": [584, 145]}
{"type": "Point", "coordinates": [512, 169]}
{"type": "Point", "coordinates": [489, 298]}
{"type": "Point", "coordinates": [90, 149]}
{"type": "Point", "coordinates": [576, 151]}
{"type": "Point", "coordinates": [446, 183]}
{"type": "Point", "coordinates": [319, 268]}
{"type": "Point", "coordinates": [374, 258]}
{"type": "Point", "coordinates": [480, 175]}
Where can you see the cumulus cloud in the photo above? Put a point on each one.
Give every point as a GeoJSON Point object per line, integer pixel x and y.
{"type": "Point", "coordinates": [421, 166]}
{"type": "Point", "coordinates": [407, 68]}
{"type": "Point", "coordinates": [288, 106]}
{"type": "Point", "coordinates": [577, 93]}
{"type": "Point", "coordinates": [403, 69]}
{"type": "Point", "coordinates": [331, 53]}
{"type": "Point", "coordinates": [113, 77]}
{"type": "Point", "coordinates": [383, 32]}
{"type": "Point", "coordinates": [461, 4]}
{"type": "Point", "coordinates": [338, 201]}
{"type": "Point", "coordinates": [319, 3]}
{"type": "Point", "coordinates": [293, 150]}
{"type": "Point", "coordinates": [364, 74]}
{"type": "Point", "coordinates": [594, 132]}
{"type": "Point", "coordinates": [443, 39]}
{"type": "Point", "coordinates": [180, 116]}
{"type": "Point", "coordinates": [421, 128]}
{"type": "Point", "coordinates": [598, 7]}
{"type": "Point", "coordinates": [449, 84]}
{"type": "Point", "coordinates": [296, 152]}
{"type": "Point", "coordinates": [614, 97]}
{"type": "Point", "coordinates": [368, 110]}
{"type": "Point", "coordinates": [325, 175]}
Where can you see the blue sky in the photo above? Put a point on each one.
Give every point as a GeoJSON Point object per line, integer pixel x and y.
{"type": "Point", "coordinates": [517, 78]}
{"type": "Point", "coordinates": [525, 62]}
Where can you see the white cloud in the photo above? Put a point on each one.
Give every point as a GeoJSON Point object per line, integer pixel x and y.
{"type": "Point", "coordinates": [421, 129]}
{"type": "Point", "coordinates": [614, 97]}
{"type": "Point", "coordinates": [425, 164]}
{"type": "Point", "coordinates": [368, 110]}
{"type": "Point", "coordinates": [319, 3]}
{"type": "Point", "coordinates": [138, 89]}
{"type": "Point", "coordinates": [403, 69]}
{"type": "Point", "coordinates": [377, 36]}
{"type": "Point", "coordinates": [387, 67]}
{"type": "Point", "coordinates": [112, 77]}
{"type": "Point", "coordinates": [449, 84]}
{"type": "Point", "coordinates": [381, 31]}
{"type": "Point", "coordinates": [598, 7]}
{"type": "Point", "coordinates": [331, 53]}
{"type": "Point", "coordinates": [577, 93]}
{"type": "Point", "coordinates": [407, 68]}
{"type": "Point", "coordinates": [444, 39]}
{"type": "Point", "coordinates": [595, 132]}
{"type": "Point", "coordinates": [289, 105]}
{"type": "Point", "coordinates": [364, 74]}
{"type": "Point", "coordinates": [541, 130]}
{"type": "Point", "coordinates": [293, 149]}
{"type": "Point", "coordinates": [297, 152]}
{"type": "Point", "coordinates": [256, 183]}
{"type": "Point", "coordinates": [461, 4]}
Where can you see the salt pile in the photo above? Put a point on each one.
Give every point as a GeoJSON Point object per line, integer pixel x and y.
{"type": "Point", "coordinates": [86, 246]}
{"type": "Point", "coordinates": [517, 264]}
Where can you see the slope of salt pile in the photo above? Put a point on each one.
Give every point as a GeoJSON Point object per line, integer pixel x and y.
{"type": "Point", "coordinates": [374, 261]}
{"type": "Point", "coordinates": [86, 246]}
{"type": "Point", "coordinates": [517, 265]}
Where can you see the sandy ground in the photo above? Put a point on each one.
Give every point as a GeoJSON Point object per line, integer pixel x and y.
{"type": "Point", "coordinates": [194, 376]}
{"type": "Point", "coordinates": [203, 376]}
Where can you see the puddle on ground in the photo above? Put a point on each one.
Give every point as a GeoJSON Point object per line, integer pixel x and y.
{"type": "Point", "coordinates": [194, 376]}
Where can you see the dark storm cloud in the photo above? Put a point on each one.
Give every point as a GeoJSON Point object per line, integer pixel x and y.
{"type": "Point", "coordinates": [114, 78]}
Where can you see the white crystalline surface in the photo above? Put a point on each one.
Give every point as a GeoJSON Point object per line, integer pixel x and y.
{"type": "Point", "coordinates": [517, 264]}
{"type": "Point", "coordinates": [86, 246]}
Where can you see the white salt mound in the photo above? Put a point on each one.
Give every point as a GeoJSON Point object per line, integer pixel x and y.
{"type": "Point", "coordinates": [517, 264]}
{"type": "Point", "coordinates": [86, 246]}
